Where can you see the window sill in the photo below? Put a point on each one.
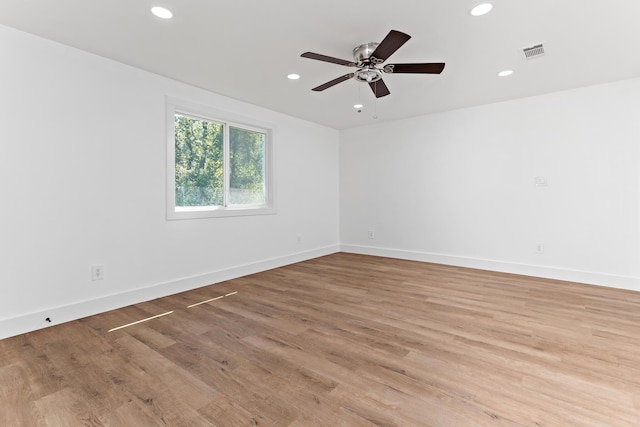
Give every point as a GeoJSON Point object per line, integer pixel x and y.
{"type": "Point", "coordinates": [208, 212]}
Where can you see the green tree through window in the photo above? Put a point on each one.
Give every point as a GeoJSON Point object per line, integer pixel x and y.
{"type": "Point", "coordinates": [246, 167]}
{"type": "Point", "coordinates": [217, 164]}
{"type": "Point", "coordinates": [199, 162]}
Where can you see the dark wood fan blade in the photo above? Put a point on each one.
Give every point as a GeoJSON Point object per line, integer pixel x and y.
{"type": "Point", "coordinates": [424, 68]}
{"type": "Point", "coordinates": [379, 88]}
{"type": "Point", "coordinates": [326, 58]}
{"type": "Point", "coordinates": [390, 44]}
{"type": "Point", "coordinates": [333, 82]}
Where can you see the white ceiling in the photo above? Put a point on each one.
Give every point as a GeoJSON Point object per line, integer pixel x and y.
{"type": "Point", "coordinates": [245, 48]}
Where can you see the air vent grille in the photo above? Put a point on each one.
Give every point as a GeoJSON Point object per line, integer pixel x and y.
{"type": "Point", "coordinates": [533, 51]}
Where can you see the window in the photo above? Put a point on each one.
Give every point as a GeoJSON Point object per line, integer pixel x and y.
{"type": "Point", "coordinates": [218, 165]}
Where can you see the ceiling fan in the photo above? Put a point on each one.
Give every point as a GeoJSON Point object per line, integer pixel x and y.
{"type": "Point", "coordinates": [368, 59]}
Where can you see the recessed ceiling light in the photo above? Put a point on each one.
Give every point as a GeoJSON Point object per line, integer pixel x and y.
{"type": "Point", "coordinates": [482, 9]}
{"type": "Point", "coordinates": [505, 73]}
{"type": "Point", "coordinates": [358, 105]}
{"type": "Point", "coordinates": [162, 12]}
{"type": "Point", "coordinates": [293, 76]}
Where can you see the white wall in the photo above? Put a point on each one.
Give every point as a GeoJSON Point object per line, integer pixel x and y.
{"type": "Point", "coordinates": [458, 187]}
{"type": "Point", "coordinates": [82, 182]}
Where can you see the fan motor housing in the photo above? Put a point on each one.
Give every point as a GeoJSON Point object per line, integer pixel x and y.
{"type": "Point", "coordinates": [362, 53]}
{"type": "Point", "coordinates": [368, 72]}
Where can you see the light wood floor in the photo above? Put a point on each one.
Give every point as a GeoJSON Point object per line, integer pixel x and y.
{"type": "Point", "coordinates": [340, 340]}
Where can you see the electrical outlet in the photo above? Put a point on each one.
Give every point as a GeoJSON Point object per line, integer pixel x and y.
{"type": "Point", "coordinates": [541, 181]}
{"type": "Point", "coordinates": [97, 272]}
{"type": "Point", "coordinates": [371, 234]}
{"type": "Point", "coordinates": [539, 248]}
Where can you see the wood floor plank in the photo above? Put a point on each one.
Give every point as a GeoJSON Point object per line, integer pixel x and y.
{"type": "Point", "coordinates": [131, 413]}
{"type": "Point", "coordinates": [150, 394]}
{"type": "Point", "coordinates": [189, 387]}
{"type": "Point", "coordinates": [224, 412]}
{"type": "Point", "coordinates": [341, 340]}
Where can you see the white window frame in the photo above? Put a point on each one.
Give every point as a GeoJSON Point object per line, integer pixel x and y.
{"type": "Point", "coordinates": [176, 106]}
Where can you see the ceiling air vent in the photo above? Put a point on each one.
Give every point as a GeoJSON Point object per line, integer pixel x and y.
{"type": "Point", "coordinates": [533, 51]}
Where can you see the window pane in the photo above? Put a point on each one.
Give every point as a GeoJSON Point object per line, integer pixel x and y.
{"type": "Point", "coordinates": [247, 184]}
{"type": "Point", "coordinates": [199, 162]}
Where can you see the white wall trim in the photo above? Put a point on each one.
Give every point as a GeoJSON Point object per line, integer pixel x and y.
{"type": "Point", "coordinates": [33, 321]}
{"type": "Point", "coordinates": [588, 277]}
{"type": "Point", "coordinates": [36, 320]}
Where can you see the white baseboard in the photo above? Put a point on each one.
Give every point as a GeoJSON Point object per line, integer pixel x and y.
{"type": "Point", "coordinates": [589, 277]}
{"type": "Point", "coordinates": [77, 310]}
{"type": "Point", "coordinates": [32, 321]}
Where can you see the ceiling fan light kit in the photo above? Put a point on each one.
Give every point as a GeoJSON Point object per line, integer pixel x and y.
{"type": "Point", "coordinates": [368, 75]}
{"type": "Point", "coordinates": [368, 59]}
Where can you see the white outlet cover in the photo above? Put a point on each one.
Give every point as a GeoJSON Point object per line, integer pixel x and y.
{"type": "Point", "coordinates": [541, 181]}
{"type": "Point", "coordinates": [97, 272]}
